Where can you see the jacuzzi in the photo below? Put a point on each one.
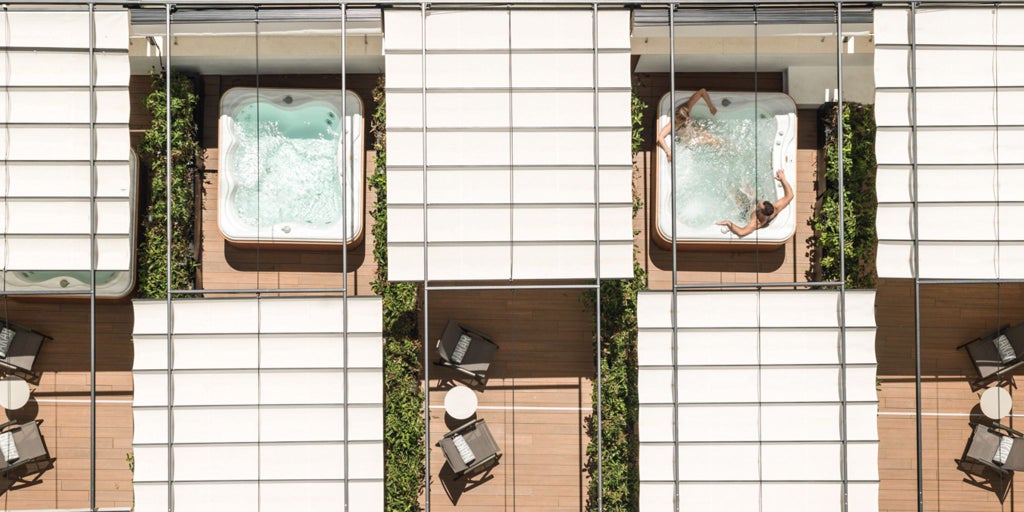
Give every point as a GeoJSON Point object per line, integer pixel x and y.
{"type": "Point", "coordinates": [284, 184]}
{"type": "Point", "coordinates": [714, 179]}
{"type": "Point", "coordinates": [113, 186]}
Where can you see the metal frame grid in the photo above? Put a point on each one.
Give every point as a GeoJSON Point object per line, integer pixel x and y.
{"type": "Point", "coordinates": [169, 7]}
{"type": "Point", "coordinates": [511, 285]}
{"type": "Point", "coordinates": [672, 14]}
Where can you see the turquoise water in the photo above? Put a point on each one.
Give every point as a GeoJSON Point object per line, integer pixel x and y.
{"type": "Point", "coordinates": [720, 182]}
{"type": "Point", "coordinates": [102, 276]}
{"type": "Point", "coordinates": [294, 175]}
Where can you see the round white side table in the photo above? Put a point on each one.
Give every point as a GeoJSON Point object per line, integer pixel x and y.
{"type": "Point", "coordinates": [996, 402]}
{"type": "Point", "coordinates": [13, 393]}
{"type": "Point", "coordinates": [460, 402]}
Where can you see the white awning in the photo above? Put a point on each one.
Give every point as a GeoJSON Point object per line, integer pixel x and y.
{"type": "Point", "coordinates": [275, 405]}
{"type": "Point", "coordinates": [47, 143]}
{"type": "Point", "coordinates": [752, 419]}
{"type": "Point", "coordinates": [510, 145]}
{"type": "Point", "coordinates": [970, 152]}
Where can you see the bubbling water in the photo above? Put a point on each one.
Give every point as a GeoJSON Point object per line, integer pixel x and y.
{"type": "Point", "coordinates": [287, 169]}
{"type": "Point", "coordinates": [720, 181]}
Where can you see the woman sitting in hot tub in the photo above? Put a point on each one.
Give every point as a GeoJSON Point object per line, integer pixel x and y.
{"type": "Point", "coordinates": [762, 213]}
{"type": "Point", "coordinates": [687, 132]}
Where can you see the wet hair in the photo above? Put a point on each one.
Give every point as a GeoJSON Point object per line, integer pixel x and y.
{"type": "Point", "coordinates": [764, 212]}
{"type": "Point", "coordinates": [682, 115]}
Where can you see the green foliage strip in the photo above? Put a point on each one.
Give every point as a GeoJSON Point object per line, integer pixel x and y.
{"type": "Point", "coordinates": [860, 201]}
{"type": "Point", "coordinates": [185, 151]}
{"type": "Point", "coordinates": [403, 397]}
{"type": "Point", "coordinates": [619, 401]}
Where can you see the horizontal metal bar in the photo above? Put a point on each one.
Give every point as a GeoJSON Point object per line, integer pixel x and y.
{"type": "Point", "coordinates": [83, 124]}
{"type": "Point", "coordinates": [954, 241]}
{"type": "Point", "coordinates": [512, 287]}
{"type": "Point", "coordinates": [510, 51]}
{"type": "Point", "coordinates": [812, 284]}
{"type": "Point", "coordinates": [952, 46]}
{"type": "Point", "coordinates": [811, 402]}
{"type": "Point", "coordinates": [44, 293]}
{"type": "Point", "coordinates": [309, 369]}
{"type": "Point", "coordinates": [515, 167]}
{"type": "Point", "coordinates": [512, 90]}
{"type": "Point", "coordinates": [777, 442]}
{"type": "Point", "coordinates": [264, 443]}
{"type": "Point", "coordinates": [759, 483]}
{"type": "Point", "coordinates": [163, 407]}
{"type": "Point", "coordinates": [256, 480]}
{"type": "Point", "coordinates": [757, 328]}
{"type": "Point", "coordinates": [530, 4]}
{"type": "Point", "coordinates": [757, 365]}
{"type": "Point", "coordinates": [502, 243]}
{"type": "Point", "coordinates": [509, 129]}
{"type": "Point", "coordinates": [925, 280]}
{"type": "Point", "coordinates": [524, 206]}
{"type": "Point", "coordinates": [257, 291]}
{"type": "Point", "coordinates": [60, 49]}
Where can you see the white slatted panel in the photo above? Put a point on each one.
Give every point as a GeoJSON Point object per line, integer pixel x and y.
{"type": "Point", "coordinates": [757, 396]}
{"type": "Point", "coordinates": [262, 384]}
{"type": "Point", "coordinates": [510, 144]}
{"type": "Point", "coordinates": [46, 145]}
{"type": "Point", "coordinates": [968, 161]}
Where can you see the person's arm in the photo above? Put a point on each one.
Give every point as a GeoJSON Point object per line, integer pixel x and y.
{"type": "Point", "coordinates": [699, 95]}
{"type": "Point", "coordinates": [660, 140]}
{"type": "Point", "coordinates": [741, 231]}
{"type": "Point", "coordinates": [787, 197]}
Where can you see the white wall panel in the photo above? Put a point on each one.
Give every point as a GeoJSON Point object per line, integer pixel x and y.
{"type": "Point", "coordinates": [276, 412]}
{"type": "Point", "coordinates": [759, 381]}
{"type": "Point", "coordinates": [484, 120]}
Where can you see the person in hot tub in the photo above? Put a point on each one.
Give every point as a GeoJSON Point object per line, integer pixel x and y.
{"type": "Point", "coordinates": [686, 131]}
{"type": "Point", "coordinates": [762, 213]}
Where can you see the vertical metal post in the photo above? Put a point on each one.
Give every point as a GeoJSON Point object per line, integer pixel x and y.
{"type": "Point", "coordinates": [344, 242]}
{"type": "Point", "coordinates": [170, 317]}
{"type": "Point", "coordinates": [92, 256]}
{"type": "Point", "coordinates": [597, 263]}
{"type": "Point", "coordinates": [917, 254]}
{"type": "Point", "coordinates": [426, 293]}
{"type": "Point", "coordinates": [844, 463]}
{"type": "Point", "coordinates": [675, 256]}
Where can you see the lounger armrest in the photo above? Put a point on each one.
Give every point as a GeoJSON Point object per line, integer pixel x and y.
{"type": "Point", "coordinates": [9, 423]}
{"type": "Point", "coordinates": [468, 426]}
{"type": "Point", "coordinates": [485, 336]}
{"type": "Point", "coordinates": [1008, 430]}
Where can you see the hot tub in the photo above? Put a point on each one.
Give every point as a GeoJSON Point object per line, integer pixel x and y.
{"type": "Point", "coordinates": [717, 182]}
{"type": "Point", "coordinates": [285, 185]}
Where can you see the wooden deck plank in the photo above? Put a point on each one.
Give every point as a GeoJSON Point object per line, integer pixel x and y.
{"type": "Point", "coordinates": [950, 316]}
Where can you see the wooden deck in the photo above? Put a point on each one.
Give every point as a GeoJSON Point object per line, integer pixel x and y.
{"type": "Point", "coordinates": [950, 316]}
{"type": "Point", "coordinates": [536, 400]}
{"type": "Point", "coordinates": [61, 401]}
{"type": "Point", "coordinates": [789, 264]}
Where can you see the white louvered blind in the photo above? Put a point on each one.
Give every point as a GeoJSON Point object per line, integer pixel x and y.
{"type": "Point", "coordinates": [757, 404]}
{"type": "Point", "coordinates": [510, 144]}
{"type": "Point", "coordinates": [970, 153]}
{"type": "Point", "coordinates": [268, 405]}
{"type": "Point", "coordinates": [49, 135]}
